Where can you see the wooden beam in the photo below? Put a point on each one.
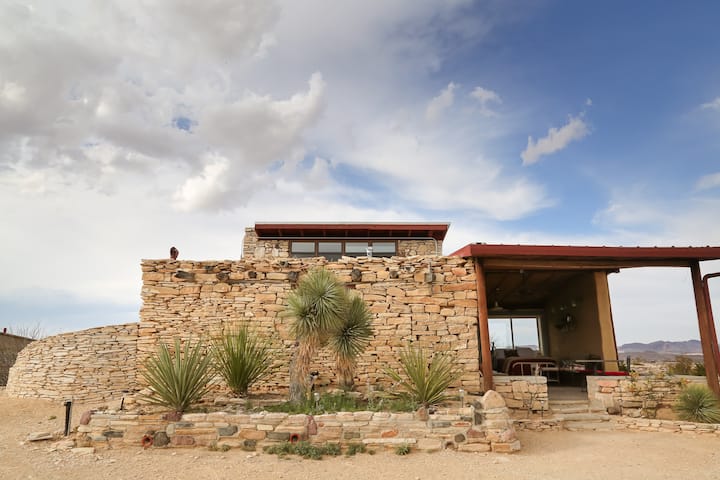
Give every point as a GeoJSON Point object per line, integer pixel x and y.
{"type": "Point", "coordinates": [485, 353]}
{"type": "Point", "coordinates": [706, 340]}
{"type": "Point", "coordinates": [583, 264]}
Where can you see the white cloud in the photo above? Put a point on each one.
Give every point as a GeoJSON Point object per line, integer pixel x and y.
{"type": "Point", "coordinates": [555, 140]}
{"type": "Point", "coordinates": [442, 102]}
{"type": "Point", "coordinates": [709, 181]}
{"type": "Point", "coordinates": [485, 96]}
{"type": "Point", "coordinates": [711, 105]}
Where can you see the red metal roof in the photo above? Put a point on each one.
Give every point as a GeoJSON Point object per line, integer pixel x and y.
{"type": "Point", "coordinates": [352, 230]}
{"type": "Point", "coordinates": [580, 253]}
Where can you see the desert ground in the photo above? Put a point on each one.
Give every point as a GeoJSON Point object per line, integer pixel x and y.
{"type": "Point", "coordinates": [547, 455]}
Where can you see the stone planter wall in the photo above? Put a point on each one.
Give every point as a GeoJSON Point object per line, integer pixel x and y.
{"type": "Point", "coordinates": [89, 365]}
{"type": "Point", "coordinates": [487, 429]}
{"type": "Point", "coordinates": [648, 396]}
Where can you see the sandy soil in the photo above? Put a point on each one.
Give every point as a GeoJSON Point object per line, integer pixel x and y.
{"type": "Point", "coordinates": [549, 455]}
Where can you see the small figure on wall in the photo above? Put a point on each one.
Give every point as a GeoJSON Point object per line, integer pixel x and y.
{"type": "Point", "coordinates": [174, 252]}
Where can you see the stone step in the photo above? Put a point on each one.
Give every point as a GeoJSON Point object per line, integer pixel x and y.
{"type": "Point", "coordinates": [583, 417]}
{"type": "Point", "coordinates": [587, 426]}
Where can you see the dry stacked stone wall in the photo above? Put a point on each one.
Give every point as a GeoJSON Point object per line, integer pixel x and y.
{"type": "Point", "coordinates": [92, 365]}
{"type": "Point", "coordinates": [194, 299]}
{"type": "Point", "coordinates": [199, 299]}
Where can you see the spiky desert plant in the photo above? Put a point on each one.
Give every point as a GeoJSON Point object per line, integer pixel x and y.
{"type": "Point", "coordinates": [423, 380]}
{"type": "Point", "coordinates": [697, 403]}
{"type": "Point", "coordinates": [351, 340]}
{"type": "Point", "coordinates": [317, 305]}
{"type": "Point", "coordinates": [242, 357]}
{"type": "Point", "coordinates": [180, 377]}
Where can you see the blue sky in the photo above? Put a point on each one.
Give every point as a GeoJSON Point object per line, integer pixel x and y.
{"type": "Point", "coordinates": [128, 127]}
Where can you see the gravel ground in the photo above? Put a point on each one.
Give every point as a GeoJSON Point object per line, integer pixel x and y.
{"type": "Point", "coordinates": [548, 455]}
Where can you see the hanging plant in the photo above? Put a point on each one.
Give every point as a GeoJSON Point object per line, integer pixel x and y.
{"type": "Point", "coordinates": [566, 323]}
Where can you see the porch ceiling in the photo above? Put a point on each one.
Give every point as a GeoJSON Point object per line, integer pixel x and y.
{"type": "Point", "coordinates": [524, 289]}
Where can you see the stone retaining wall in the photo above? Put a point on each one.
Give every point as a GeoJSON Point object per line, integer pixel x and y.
{"type": "Point", "coordinates": [92, 365]}
{"type": "Point", "coordinates": [489, 428]}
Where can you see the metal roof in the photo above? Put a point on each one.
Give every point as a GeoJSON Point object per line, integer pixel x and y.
{"type": "Point", "coordinates": [591, 256]}
{"type": "Point", "coordinates": [352, 230]}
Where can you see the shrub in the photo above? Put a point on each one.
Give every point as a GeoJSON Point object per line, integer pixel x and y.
{"type": "Point", "coordinates": [424, 382]}
{"type": "Point", "coordinates": [355, 448]}
{"type": "Point", "coordinates": [242, 358]}
{"type": "Point", "coordinates": [696, 403]}
{"type": "Point", "coordinates": [682, 366]}
{"type": "Point", "coordinates": [304, 450]}
{"type": "Point", "coordinates": [179, 378]}
{"type": "Point", "coordinates": [402, 449]}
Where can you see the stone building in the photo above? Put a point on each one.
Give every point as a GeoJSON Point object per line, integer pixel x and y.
{"type": "Point", "coordinates": [10, 346]}
{"type": "Point", "coordinates": [484, 303]}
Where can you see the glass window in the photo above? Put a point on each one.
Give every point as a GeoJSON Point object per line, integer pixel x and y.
{"type": "Point", "coordinates": [383, 249]}
{"type": "Point", "coordinates": [515, 332]}
{"type": "Point", "coordinates": [302, 249]}
{"type": "Point", "coordinates": [330, 250]}
{"type": "Point", "coordinates": [353, 249]}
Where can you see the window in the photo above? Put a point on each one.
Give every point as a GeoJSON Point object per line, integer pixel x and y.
{"type": "Point", "coordinates": [514, 332]}
{"type": "Point", "coordinates": [334, 250]}
{"type": "Point", "coordinates": [302, 249]}
{"type": "Point", "coordinates": [330, 250]}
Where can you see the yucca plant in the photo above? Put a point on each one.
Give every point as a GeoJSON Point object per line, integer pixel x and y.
{"type": "Point", "coordinates": [317, 305]}
{"type": "Point", "coordinates": [351, 340]}
{"type": "Point", "coordinates": [242, 358]}
{"type": "Point", "coordinates": [697, 403]}
{"type": "Point", "coordinates": [423, 380]}
{"type": "Point", "coordinates": [180, 377]}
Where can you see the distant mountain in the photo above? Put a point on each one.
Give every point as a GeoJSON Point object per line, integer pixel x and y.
{"type": "Point", "coordinates": [686, 347]}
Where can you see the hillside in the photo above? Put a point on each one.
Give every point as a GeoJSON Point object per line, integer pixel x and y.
{"type": "Point", "coordinates": [661, 346]}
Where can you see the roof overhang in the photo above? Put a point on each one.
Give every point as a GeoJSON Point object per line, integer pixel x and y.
{"type": "Point", "coordinates": [436, 231]}
{"type": "Point", "coordinates": [585, 257]}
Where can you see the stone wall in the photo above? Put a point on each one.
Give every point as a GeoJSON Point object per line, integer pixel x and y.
{"type": "Point", "coordinates": [10, 345]}
{"type": "Point", "coordinates": [650, 396]}
{"type": "Point", "coordinates": [487, 428]}
{"type": "Point", "coordinates": [254, 247]}
{"type": "Point", "coordinates": [92, 365]}
{"type": "Point", "coordinates": [199, 299]}
{"type": "Point", "coordinates": [523, 392]}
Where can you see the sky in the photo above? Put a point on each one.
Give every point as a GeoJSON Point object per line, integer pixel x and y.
{"type": "Point", "coordinates": [130, 126]}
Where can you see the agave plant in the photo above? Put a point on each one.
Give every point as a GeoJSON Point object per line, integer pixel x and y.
{"type": "Point", "coordinates": [351, 339]}
{"type": "Point", "coordinates": [178, 378]}
{"type": "Point", "coordinates": [423, 380]}
{"type": "Point", "coordinates": [697, 403]}
{"type": "Point", "coordinates": [242, 358]}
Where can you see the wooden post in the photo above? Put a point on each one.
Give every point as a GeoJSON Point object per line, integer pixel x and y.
{"type": "Point", "coordinates": [485, 353]}
{"type": "Point", "coordinates": [711, 368]}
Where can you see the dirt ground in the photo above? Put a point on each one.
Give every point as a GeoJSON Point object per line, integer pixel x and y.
{"type": "Point", "coordinates": [549, 455]}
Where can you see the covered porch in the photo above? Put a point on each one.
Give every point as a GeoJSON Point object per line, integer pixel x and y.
{"type": "Point", "coordinates": [547, 309]}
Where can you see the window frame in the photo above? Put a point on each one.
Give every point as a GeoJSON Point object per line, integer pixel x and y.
{"type": "Point", "coordinates": [343, 248]}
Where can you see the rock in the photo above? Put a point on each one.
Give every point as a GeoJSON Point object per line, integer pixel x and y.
{"type": "Point", "coordinates": [38, 436]}
{"type": "Point", "coordinates": [86, 416]}
{"type": "Point", "coordinates": [83, 450]}
{"type": "Point", "coordinates": [160, 439]}
{"type": "Point", "coordinates": [492, 399]}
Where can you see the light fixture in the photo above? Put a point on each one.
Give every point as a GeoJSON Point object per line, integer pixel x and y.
{"type": "Point", "coordinates": [496, 307]}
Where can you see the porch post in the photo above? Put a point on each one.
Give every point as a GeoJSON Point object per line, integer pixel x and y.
{"type": "Point", "coordinates": [706, 340]}
{"type": "Point", "coordinates": [485, 353]}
